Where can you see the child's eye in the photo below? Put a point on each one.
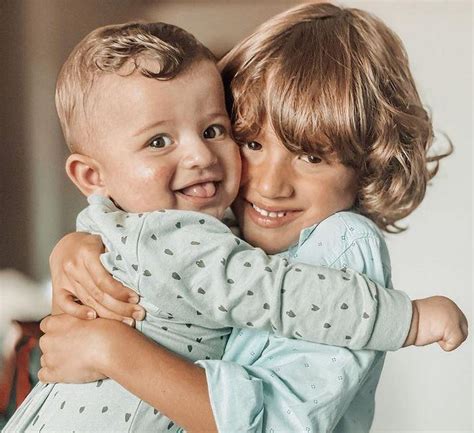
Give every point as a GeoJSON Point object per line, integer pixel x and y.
{"type": "Point", "coordinates": [214, 131]}
{"type": "Point", "coordinates": [312, 159]}
{"type": "Point", "coordinates": [253, 145]}
{"type": "Point", "coordinates": [160, 141]}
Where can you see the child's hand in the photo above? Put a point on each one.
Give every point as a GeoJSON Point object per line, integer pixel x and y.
{"type": "Point", "coordinates": [77, 273]}
{"type": "Point", "coordinates": [73, 350]}
{"type": "Point", "coordinates": [437, 319]}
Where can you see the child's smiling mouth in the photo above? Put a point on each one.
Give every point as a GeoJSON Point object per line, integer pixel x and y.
{"type": "Point", "coordinates": [270, 217]}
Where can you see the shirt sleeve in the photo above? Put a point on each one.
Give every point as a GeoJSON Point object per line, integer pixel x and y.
{"type": "Point", "coordinates": [296, 385]}
{"type": "Point", "coordinates": [221, 281]}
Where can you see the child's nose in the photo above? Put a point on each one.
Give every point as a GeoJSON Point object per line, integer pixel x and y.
{"type": "Point", "coordinates": [198, 154]}
{"type": "Point", "coordinates": [272, 180]}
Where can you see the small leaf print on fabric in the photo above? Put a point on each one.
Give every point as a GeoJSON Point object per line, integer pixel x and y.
{"type": "Point", "coordinates": [268, 269]}
{"type": "Point", "coordinates": [327, 325]}
{"type": "Point", "coordinates": [202, 221]}
{"type": "Point", "coordinates": [321, 277]}
{"type": "Point", "coordinates": [365, 316]}
{"type": "Point", "coordinates": [147, 273]}
{"type": "Point", "coordinates": [135, 267]}
{"type": "Point", "coordinates": [266, 306]}
{"type": "Point", "coordinates": [168, 252]}
{"type": "Point", "coordinates": [178, 225]}
{"type": "Point", "coordinates": [200, 264]}
{"type": "Point", "coordinates": [127, 416]}
{"type": "Point", "coordinates": [249, 292]}
{"type": "Point", "coordinates": [153, 236]}
{"type": "Point", "coordinates": [124, 239]}
{"type": "Point", "coordinates": [291, 314]}
{"type": "Point", "coordinates": [195, 243]}
{"type": "Point", "coordinates": [175, 276]}
{"type": "Point", "coordinates": [222, 308]}
{"type": "Point", "coordinates": [314, 307]}
{"type": "Point", "coordinates": [201, 291]}
{"type": "Point", "coordinates": [105, 409]}
{"type": "Point", "coordinates": [344, 306]}
{"type": "Point", "coordinates": [247, 265]}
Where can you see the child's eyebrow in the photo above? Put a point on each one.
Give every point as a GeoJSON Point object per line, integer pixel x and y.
{"type": "Point", "coordinates": [151, 126]}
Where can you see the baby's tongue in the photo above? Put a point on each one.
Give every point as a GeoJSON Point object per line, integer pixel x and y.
{"type": "Point", "coordinates": [206, 189]}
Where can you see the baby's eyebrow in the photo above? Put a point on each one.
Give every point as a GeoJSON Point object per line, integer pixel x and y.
{"type": "Point", "coordinates": [215, 114]}
{"type": "Point", "coordinates": [150, 126]}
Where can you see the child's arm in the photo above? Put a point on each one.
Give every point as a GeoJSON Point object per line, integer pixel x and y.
{"type": "Point", "coordinates": [194, 268]}
{"type": "Point", "coordinates": [78, 351]}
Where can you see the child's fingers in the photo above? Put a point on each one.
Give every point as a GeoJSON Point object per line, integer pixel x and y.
{"type": "Point", "coordinates": [124, 309]}
{"type": "Point", "coordinates": [45, 375]}
{"type": "Point", "coordinates": [66, 301]}
{"type": "Point", "coordinates": [107, 284]}
{"type": "Point", "coordinates": [103, 312]}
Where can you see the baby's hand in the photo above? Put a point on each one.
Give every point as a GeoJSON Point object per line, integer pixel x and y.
{"type": "Point", "coordinates": [77, 273]}
{"type": "Point", "coordinates": [437, 319]}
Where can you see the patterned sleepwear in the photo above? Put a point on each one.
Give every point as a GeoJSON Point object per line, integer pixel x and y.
{"type": "Point", "coordinates": [196, 280]}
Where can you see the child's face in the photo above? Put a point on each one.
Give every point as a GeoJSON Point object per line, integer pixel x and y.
{"type": "Point", "coordinates": [166, 144]}
{"type": "Point", "coordinates": [282, 192]}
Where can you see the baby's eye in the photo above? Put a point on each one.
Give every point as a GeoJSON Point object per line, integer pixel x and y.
{"type": "Point", "coordinates": [160, 141]}
{"type": "Point", "coordinates": [214, 131]}
{"type": "Point", "coordinates": [312, 159]}
{"type": "Point", "coordinates": [253, 145]}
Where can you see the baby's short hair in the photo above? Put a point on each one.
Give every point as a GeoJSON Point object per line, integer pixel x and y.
{"type": "Point", "coordinates": [336, 82]}
{"type": "Point", "coordinates": [106, 50]}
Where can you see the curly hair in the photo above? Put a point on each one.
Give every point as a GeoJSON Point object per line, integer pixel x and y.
{"type": "Point", "coordinates": [336, 82]}
{"type": "Point", "coordinates": [156, 50]}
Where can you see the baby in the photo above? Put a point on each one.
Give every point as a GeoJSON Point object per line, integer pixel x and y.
{"type": "Point", "coordinates": [142, 108]}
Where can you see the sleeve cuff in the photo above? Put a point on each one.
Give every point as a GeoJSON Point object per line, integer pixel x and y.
{"type": "Point", "coordinates": [227, 381]}
{"type": "Point", "coordinates": [394, 307]}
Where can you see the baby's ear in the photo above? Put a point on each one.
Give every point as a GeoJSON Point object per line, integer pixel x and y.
{"type": "Point", "coordinates": [85, 173]}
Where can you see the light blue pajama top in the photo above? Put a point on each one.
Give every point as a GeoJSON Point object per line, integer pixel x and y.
{"type": "Point", "coordinates": [266, 383]}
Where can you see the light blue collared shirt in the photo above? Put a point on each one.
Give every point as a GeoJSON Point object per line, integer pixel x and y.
{"type": "Point", "coordinates": [266, 383]}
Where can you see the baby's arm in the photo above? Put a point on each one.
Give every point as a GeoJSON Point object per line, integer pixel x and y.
{"type": "Point", "coordinates": [190, 265]}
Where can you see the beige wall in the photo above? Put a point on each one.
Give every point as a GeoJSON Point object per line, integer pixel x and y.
{"type": "Point", "coordinates": [421, 389]}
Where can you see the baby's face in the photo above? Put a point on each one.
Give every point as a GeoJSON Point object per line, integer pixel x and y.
{"type": "Point", "coordinates": [166, 144]}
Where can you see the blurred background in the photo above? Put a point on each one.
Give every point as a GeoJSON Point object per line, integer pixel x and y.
{"type": "Point", "coordinates": [422, 389]}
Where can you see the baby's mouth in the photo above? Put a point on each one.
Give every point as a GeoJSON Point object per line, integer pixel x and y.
{"type": "Point", "coordinates": [201, 190]}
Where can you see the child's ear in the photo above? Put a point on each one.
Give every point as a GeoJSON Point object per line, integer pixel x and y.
{"type": "Point", "coordinates": [85, 173]}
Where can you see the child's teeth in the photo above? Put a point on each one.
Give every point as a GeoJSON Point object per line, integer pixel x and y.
{"type": "Point", "coordinates": [265, 213]}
